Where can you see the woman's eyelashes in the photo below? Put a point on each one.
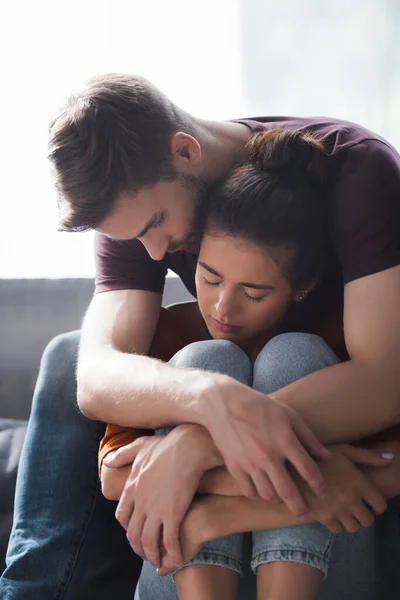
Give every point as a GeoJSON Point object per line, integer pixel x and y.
{"type": "Point", "coordinates": [254, 298]}
{"type": "Point", "coordinates": [217, 283]}
{"type": "Point", "coordinates": [211, 283]}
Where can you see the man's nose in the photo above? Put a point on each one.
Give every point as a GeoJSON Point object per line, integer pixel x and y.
{"type": "Point", "coordinates": [156, 248]}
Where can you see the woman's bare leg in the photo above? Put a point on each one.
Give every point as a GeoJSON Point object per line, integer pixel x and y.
{"type": "Point", "coordinates": [206, 582]}
{"type": "Point", "coordinates": [287, 581]}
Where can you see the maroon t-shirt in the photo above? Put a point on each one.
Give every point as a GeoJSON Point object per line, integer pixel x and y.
{"type": "Point", "coordinates": [364, 209]}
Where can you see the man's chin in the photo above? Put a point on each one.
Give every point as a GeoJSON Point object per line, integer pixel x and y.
{"type": "Point", "coordinates": [190, 245]}
{"type": "Point", "coordinates": [182, 248]}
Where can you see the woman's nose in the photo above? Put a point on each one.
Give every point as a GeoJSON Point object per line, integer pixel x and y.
{"type": "Point", "coordinates": [224, 305]}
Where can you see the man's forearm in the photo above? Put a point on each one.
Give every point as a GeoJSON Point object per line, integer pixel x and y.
{"type": "Point", "coordinates": [344, 402]}
{"type": "Point", "coordinates": [206, 460]}
{"type": "Point", "coordinates": [137, 391]}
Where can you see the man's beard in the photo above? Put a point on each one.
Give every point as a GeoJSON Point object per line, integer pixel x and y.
{"type": "Point", "coordinates": [201, 190]}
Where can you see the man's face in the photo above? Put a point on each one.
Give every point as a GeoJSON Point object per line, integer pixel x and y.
{"type": "Point", "coordinates": [164, 217]}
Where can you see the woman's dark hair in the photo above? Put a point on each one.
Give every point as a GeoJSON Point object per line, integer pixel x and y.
{"type": "Point", "coordinates": [276, 199]}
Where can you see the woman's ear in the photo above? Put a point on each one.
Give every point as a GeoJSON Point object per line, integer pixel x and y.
{"type": "Point", "coordinates": [185, 151]}
{"type": "Point", "coordinates": [302, 292]}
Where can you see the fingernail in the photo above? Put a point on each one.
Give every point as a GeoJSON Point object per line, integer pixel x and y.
{"type": "Point", "coordinates": [387, 455]}
{"type": "Point", "coordinates": [109, 457]}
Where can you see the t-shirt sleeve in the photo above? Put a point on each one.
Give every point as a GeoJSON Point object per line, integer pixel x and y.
{"type": "Point", "coordinates": [365, 210]}
{"type": "Point", "coordinates": [116, 437]}
{"type": "Point", "coordinates": [126, 265]}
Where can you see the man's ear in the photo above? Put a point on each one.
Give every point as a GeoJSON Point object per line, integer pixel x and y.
{"type": "Point", "coordinates": [185, 151]}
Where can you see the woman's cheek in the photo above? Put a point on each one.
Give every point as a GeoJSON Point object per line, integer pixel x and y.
{"type": "Point", "coordinates": [202, 299]}
{"type": "Point", "coordinates": [266, 315]}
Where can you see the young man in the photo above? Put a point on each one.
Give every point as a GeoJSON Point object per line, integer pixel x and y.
{"type": "Point", "coordinates": [133, 166]}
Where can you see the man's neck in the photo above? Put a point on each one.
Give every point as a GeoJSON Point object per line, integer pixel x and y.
{"type": "Point", "coordinates": [223, 145]}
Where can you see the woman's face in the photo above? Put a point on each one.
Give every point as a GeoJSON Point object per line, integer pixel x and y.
{"type": "Point", "coordinates": [241, 290]}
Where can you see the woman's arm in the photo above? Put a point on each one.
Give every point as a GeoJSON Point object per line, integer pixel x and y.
{"type": "Point", "coordinates": [214, 516]}
{"type": "Point", "coordinates": [342, 483]}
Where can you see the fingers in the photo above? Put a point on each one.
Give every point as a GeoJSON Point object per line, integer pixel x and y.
{"type": "Point", "coordinates": [286, 489]}
{"type": "Point", "coordinates": [367, 456]}
{"type": "Point", "coordinates": [123, 456]}
{"type": "Point", "coordinates": [309, 439]}
{"type": "Point", "coordinates": [263, 485]}
{"type": "Point", "coordinates": [333, 526]}
{"type": "Point", "coordinates": [349, 522]}
{"type": "Point", "coordinates": [125, 507]}
{"type": "Point", "coordinates": [363, 515]}
{"type": "Point", "coordinates": [243, 480]}
{"type": "Point", "coordinates": [373, 498]}
{"type": "Point", "coordinates": [151, 541]}
{"type": "Point", "coordinates": [163, 571]}
{"type": "Point", "coordinates": [306, 467]}
{"type": "Point", "coordinates": [134, 534]}
{"type": "Point", "coordinates": [171, 543]}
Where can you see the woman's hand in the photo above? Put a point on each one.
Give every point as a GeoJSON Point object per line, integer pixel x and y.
{"type": "Point", "coordinates": [163, 480]}
{"type": "Point", "coordinates": [256, 436]}
{"type": "Point", "coordinates": [210, 517]}
{"type": "Point", "coordinates": [352, 500]}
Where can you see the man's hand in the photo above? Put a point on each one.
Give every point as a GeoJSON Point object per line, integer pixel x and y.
{"type": "Point", "coordinates": [164, 478]}
{"type": "Point", "coordinates": [352, 500]}
{"type": "Point", "coordinates": [255, 436]}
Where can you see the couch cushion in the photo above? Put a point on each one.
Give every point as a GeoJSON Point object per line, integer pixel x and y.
{"type": "Point", "coordinates": [12, 434]}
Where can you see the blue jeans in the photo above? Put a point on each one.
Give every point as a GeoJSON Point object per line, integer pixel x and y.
{"type": "Point", "coordinates": [284, 359]}
{"type": "Point", "coordinates": [356, 571]}
{"type": "Point", "coordinates": [67, 545]}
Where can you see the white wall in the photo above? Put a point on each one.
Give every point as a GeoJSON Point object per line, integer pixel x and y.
{"type": "Point", "coordinates": [217, 59]}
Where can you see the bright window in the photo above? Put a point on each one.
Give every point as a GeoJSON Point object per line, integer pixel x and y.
{"type": "Point", "coordinates": [217, 59]}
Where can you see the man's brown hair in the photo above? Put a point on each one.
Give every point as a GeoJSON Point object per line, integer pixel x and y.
{"type": "Point", "coordinates": [112, 137]}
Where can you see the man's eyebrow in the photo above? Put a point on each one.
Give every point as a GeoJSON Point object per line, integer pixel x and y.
{"type": "Point", "coordinates": [149, 225]}
{"type": "Point", "coordinates": [254, 286]}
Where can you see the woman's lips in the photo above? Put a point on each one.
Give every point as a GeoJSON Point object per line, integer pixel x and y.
{"type": "Point", "coordinates": [225, 327]}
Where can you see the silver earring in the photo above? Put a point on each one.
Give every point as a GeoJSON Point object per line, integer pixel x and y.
{"type": "Point", "coordinates": [302, 295]}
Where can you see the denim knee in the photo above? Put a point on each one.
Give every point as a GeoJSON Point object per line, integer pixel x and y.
{"type": "Point", "coordinates": [218, 356]}
{"type": "Point", "coordinates": [309, 544]}
{"type": "Point", "coordinates": [62, 347]}
{"type": "Point", "coordinates": [288, 357]}
{"type": "Point", "coordinates": [224, 552]}
{"type": "Point", "coordinates": [57, 371]}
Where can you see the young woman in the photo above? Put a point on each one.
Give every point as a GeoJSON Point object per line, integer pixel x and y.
{"type": "Point", "coordinates": [260, 259]}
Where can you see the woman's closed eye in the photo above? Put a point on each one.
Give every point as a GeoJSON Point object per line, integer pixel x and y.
{"type": "Point", "coordinates": [211, 283]}
{"type": "Point", "coordinates": [248, 296]}
{"type": "Point", "coordinates": [254, 298]}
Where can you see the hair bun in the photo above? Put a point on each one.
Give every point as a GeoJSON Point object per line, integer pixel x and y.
{"type": "Point", "coordinates": [292, 153]}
